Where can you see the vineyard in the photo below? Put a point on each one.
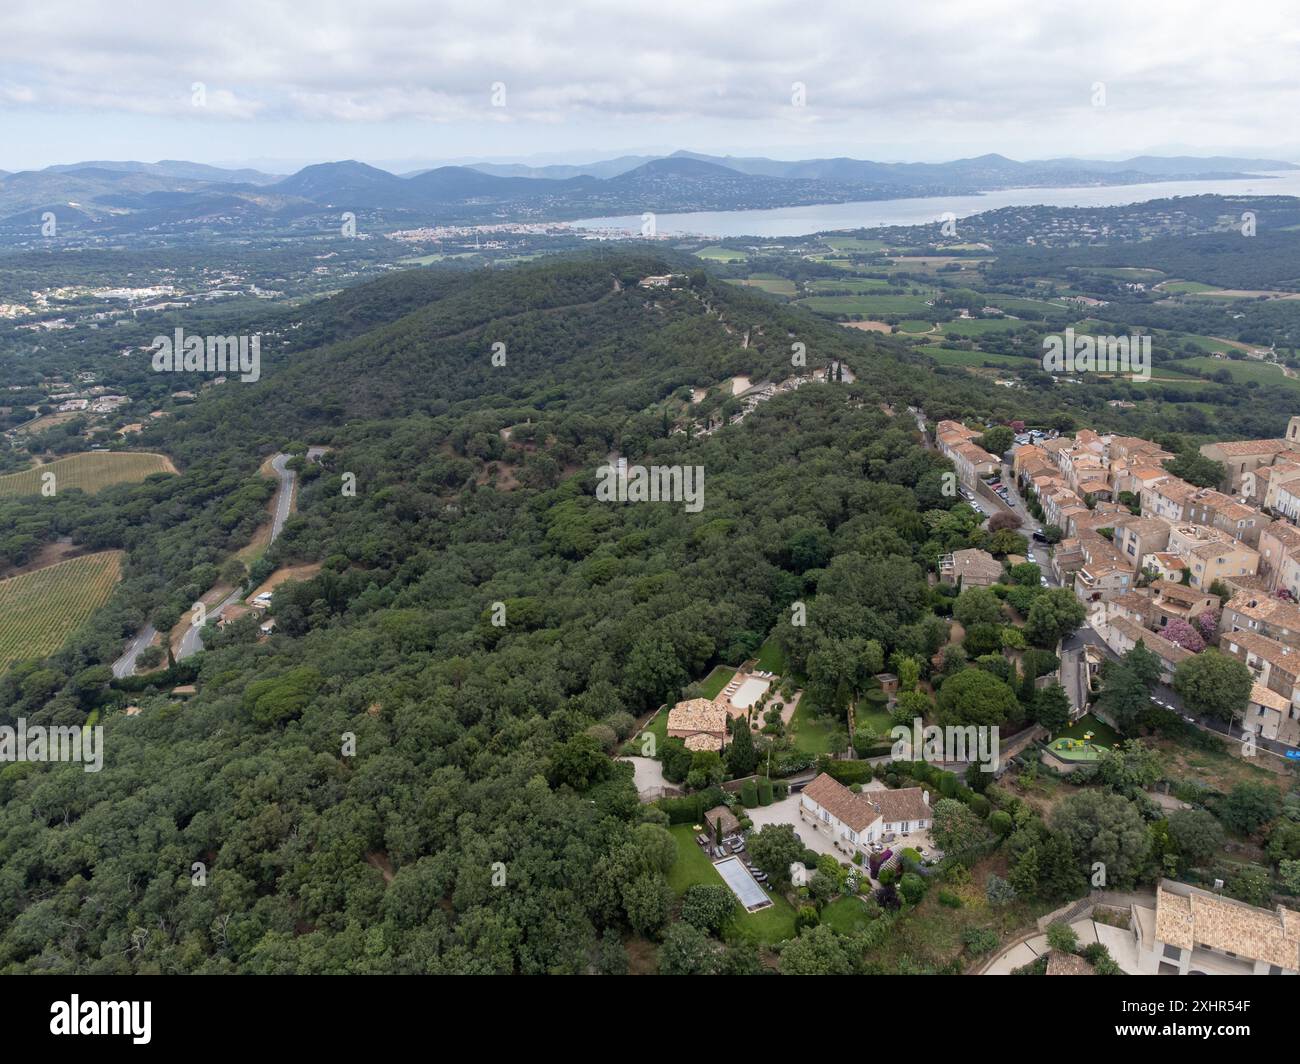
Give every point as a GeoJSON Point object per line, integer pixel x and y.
{"type": "Point", "coordinates": [89, 472]}
{"type": "Point", "coordinates": [39, 610]}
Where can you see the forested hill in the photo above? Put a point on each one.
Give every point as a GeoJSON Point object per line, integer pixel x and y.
{"type": "Point", "coordinates": [480, 751]}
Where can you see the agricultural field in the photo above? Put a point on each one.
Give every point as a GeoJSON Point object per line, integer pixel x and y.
{"type": "Point", "coordinates": [1183, 288]}
{"type": "Point", "coordinates": [90, 472]}
{"type": "Point", "coordinates": [852, 285]}
{"type": "Point", "coordinates": [868, 306]}
{"type": "Point", "coordinates": [853, 243]}
{"type": "Point", "coordinates": [947, 356]}
{"type": "Point", "coordinates": [1242, 371]}
{"type": "Point", "coordinates": [39, 610]}
{"type": "Point", "coordinates": [982, 326]}
{"type": "Point", "coordinates": [721, 254]}
{"type": "Point", "coordinates": [777, 286]}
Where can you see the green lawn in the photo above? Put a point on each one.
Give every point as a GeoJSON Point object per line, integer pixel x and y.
{"type": "Point", "coordinates": [770, 657]}
{"type": "Point", "coordinates": [763, 928]}
{"type": "Point", "coordinates": [846, 915]}
{"type": "Point", "coordinates": [692, 865]}
{"type": "Point", "coordinates": [865, 715]}
{"type": "Point", "coordinates": [657, 727]}
{"type": "Point", "coordinates": [810, 733]}
{"type": "Point", "coordinates": [715, 682]}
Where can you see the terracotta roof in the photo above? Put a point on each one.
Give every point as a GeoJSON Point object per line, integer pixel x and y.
{"type": "Point", "coordinates": [1270, 650]}
{"type": "Point", "coordinates": [859, 811]}
{"type": "Point", "coordinates": [1188, 917]}
{"type": "Point", "coordinates": [1284, 532]}
{"type": "Point", "coordinates": [1235, 448]}
{"type": "Point", "coordinates": [703, 741]}
{"type": "Point", "coordinates": [845, 806]}
{"type": "Point", "coordinates": [907, 803]}
{"type": "Point", "coordinates": [1157, 644]}
{"type": "Point", "coordinates": [1262, 696]}
{"type": "Point", "coordinates": [698, 714]}
{"type": "Point", "coordinates": [1262, 608]}
{"type": "Point", "coordinates": [976, 562]}
{"type": "Point", "coordinates": [1167, 589]}
{"type": "Point", "coordinates": [1059, 963]}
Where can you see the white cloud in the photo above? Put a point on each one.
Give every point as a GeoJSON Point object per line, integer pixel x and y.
{"type": "Point", "coordinates": [1005, 74]}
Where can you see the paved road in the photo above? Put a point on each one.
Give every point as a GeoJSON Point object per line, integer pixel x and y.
{"type": "Point", "coordinates": [125, 665]}
{"type": "Point", "coordinates": [192, 640]}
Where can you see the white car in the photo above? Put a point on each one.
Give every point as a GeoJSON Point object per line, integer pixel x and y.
{"type": "Point", "coordinates": [1042, 580]}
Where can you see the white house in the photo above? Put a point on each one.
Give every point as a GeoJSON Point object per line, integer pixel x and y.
{"type": "Point", "coordinates": [1195, 931]}
{"type": "Point", "coordinates": [855, 821]}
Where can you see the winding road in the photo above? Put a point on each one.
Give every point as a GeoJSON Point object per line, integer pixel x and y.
{"type": "Point", "coordinates": [192, 640]}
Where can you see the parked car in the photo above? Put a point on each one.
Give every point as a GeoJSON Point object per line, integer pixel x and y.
{"type": "Point", "coordinates": [1042, 581]}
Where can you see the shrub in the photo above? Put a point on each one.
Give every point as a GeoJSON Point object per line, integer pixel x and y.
{"type": "Point", "coordinates": [912, 887]}
{"type": "Point", "coordinates": [1061, 936]}
{"type": "Point", "coordinates": [980, 940]}
{"type": "Point", "coordinates": [749, 794]}
{"type": "Point", "coordinates": [948, 898]}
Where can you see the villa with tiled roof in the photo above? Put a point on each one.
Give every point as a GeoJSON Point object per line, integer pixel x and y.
{"type": "Point", "coordinates": [1195, 931]}
{"type": "Point", "coordinates": [854, 821]}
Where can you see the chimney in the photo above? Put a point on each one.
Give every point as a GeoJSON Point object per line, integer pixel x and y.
{"type": "Point", "coordinates": [925, 796]}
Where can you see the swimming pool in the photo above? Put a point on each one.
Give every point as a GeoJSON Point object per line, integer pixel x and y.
{"type": "Point", "coordinates": [744, 886]}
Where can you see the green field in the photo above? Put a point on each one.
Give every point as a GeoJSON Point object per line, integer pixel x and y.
{"type": "Point", "coordinates": [39, 610]}
{"type": "Point", "coordinates": [853, 285]}
{"type": "Point", "coordinates": [853, 243]}
{"type": "Point", "coordinates": [981, 326]}
{"type": "Point", "coordinates": [721, 254]}
{"type": "Point", "coordinates": [1127, 273]}
{"type": "Point", "coordinates": [1052, 308]}
{"type": "Point", "coordinates": [1267, 374]}
{"type": "Point", "coordinates": [777, 286]}
{"type": "Point", "coordinates": [915, 326]}
{"type": "Point", "coordinates": [947, 356]}
{"type": "Point", "coordinates": [868, 306]}
{"type": "Point", "coordinates": [1179, 288]}
{"type": "Point", "coordinates": [90, 472]}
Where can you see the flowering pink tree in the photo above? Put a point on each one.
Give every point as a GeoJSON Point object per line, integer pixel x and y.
{"type": "Point", "coordinates": [1208, 624]}
{"type": "Point", "coordinates": [1180, 632]}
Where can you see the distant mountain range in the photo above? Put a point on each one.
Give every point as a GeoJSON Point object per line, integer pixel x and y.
{"type": "Point", "coordinates": [103, 200]}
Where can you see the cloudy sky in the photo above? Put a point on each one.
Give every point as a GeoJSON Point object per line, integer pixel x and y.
{"type": "Point", "coordinates": [396, 82]}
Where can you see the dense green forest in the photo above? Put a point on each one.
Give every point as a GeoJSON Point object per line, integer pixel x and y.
{"type": "Point", "coordinates": [391, 782]}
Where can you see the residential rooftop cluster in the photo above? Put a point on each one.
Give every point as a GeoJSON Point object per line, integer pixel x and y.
{"type": "Point", "coordinates": [1176, 566]}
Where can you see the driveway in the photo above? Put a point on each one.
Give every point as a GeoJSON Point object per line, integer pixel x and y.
{"type": "Point", "coordinates": [786, 811]}
{"type": "Point", "coordinates": [649, 776]}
